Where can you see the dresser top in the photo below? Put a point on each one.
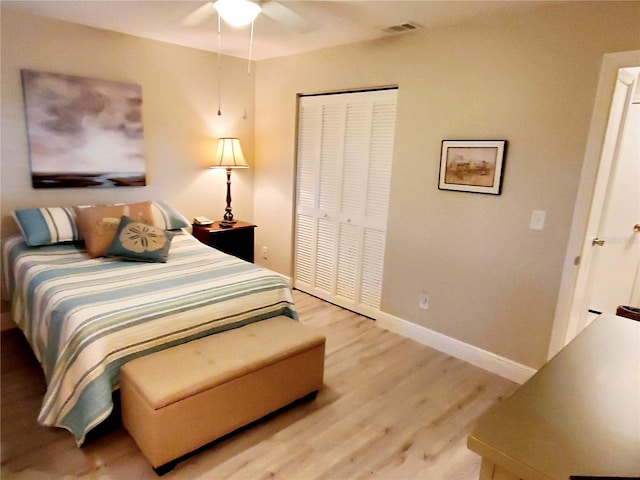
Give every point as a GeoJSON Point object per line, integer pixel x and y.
{"type": "Point", "coordinates": [579, 415]}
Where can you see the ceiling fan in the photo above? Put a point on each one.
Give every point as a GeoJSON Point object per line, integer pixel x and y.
{"type": "Point", "coordinates": [272, 9]}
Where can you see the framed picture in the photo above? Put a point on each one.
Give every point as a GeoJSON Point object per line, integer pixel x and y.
{"type": "Point", "coordinates": [472, 166]}
{"type": "Point", "coordinates": [83, 132]}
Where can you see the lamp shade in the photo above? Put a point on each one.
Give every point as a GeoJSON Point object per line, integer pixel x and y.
{"type": "Point", "coordinates": [229, 154]}
{"type": "Point", "coordinates": [237, 12]}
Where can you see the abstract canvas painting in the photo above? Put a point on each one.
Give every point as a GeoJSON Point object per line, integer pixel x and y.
{"type": "Point", "coordinates": [83, 132]}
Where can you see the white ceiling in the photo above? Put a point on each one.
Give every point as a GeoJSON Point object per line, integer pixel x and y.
{"type": "Point", "coordinates": [301, 26]}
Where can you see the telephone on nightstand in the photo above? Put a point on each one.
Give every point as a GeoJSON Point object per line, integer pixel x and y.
{"type": "Point", "coordinates": [202, 221]}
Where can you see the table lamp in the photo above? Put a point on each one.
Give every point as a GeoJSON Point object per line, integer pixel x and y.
{"type": "Point", "coordinates": [229, 155]}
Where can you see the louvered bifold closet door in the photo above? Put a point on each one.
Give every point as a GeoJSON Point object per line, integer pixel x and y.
{"type": "Point", "coordinates": [345, 146]}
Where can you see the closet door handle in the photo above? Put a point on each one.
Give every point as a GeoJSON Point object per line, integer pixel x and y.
{"type": "Point", "coordinates": [597, 241]}
{"type": "Point", "coordinates": [636, 227]}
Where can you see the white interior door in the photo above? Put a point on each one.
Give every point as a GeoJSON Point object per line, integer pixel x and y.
{"type": "Point", "coordinates": [616, 251]}
{"type": "Point", "coordinates": [612, 94]}
{"type": "Point", "coordinates": [610, 255]}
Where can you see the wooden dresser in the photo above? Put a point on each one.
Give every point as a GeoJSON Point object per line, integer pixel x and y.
{"type": "Point", "coordinates": [578, 416]}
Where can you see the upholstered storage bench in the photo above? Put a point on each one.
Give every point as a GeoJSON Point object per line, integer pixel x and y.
{"type": "Point", "coordinates": [179, 399]}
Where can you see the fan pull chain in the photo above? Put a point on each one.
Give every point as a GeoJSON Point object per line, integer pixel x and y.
{"type": "Point", "coordinates": [250, 51]}
{"type": "Point", "coordinates": [219, 67]}
{"type": "Point", "coordinates": [249, 71]}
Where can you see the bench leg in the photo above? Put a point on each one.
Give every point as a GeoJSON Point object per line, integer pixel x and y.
{"type": "Point", "coordinates": [310, 396]}
{"type": "Point", "coordinates": [166, 468]}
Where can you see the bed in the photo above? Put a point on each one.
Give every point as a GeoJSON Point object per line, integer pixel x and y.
{"type": "Point", "coordinates": [85, 317]}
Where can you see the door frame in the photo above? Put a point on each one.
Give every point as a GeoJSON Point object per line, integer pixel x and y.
{"type": "Point", "coordinates": [564, 326]}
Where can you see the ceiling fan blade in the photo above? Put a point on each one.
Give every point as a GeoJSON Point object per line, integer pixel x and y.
{"type": "Point", "coordinates": [283, 14]}
{"type": "Point", "coordinates": [199, 15]}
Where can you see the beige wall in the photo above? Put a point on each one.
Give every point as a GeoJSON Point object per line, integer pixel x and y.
{"type": "Point", "coordinates": [528, 79]}
{"type": "Point", "coordinates": [179, 88]}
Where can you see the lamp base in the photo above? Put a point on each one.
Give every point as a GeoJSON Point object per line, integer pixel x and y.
{"type": "Point", "coordinates": [226, 223]}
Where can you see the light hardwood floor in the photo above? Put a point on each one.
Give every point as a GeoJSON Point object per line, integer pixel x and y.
{"type": "Point", "coordinates": [390, 409]}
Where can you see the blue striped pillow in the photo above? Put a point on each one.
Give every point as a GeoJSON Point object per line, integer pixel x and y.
{"type": "Point", "coordinates": [166, 217]}
{"type": "Point", "coordinates": [47, 226]}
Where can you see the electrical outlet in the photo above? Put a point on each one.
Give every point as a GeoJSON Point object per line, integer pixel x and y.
{"type": "Point", "coordinates": [423, 301]}
{"type": "Point", "coordinates": [265, 251]}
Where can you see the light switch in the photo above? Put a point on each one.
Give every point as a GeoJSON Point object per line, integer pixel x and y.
{"type": "Point", "coordinates": [537, 219]}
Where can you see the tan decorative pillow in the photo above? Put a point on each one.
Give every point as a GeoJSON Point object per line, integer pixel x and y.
{"type": "Point", "coordinates": [98, 223]}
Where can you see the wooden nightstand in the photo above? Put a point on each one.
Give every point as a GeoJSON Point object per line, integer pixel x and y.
{"type": "Point", "coordinates": [236, 240]}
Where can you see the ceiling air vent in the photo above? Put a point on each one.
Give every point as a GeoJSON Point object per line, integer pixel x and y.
{"type": "Point", "coordinates": [402, 27]}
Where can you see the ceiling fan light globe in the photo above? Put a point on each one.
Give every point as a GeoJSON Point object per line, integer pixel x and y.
{"type": "Point", "coordinates": [237, 12]}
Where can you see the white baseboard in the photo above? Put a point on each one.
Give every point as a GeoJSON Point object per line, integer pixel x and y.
{"type": "Point", "coordinates": [484, 359]}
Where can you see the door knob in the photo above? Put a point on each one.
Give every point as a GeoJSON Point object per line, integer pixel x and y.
{"type": "Point", "coordinates": [636, 227]}
{"type": "Point", "coordinates": [597, 241]}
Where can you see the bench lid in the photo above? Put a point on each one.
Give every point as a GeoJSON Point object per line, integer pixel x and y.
{"type": "Point", "coordinates": [170, 375]}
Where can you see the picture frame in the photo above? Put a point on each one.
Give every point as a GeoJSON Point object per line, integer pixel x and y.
{"type": "Point", "coordinates": [83, 132]}
{"type": "Point", "coordinates": [472, 166]}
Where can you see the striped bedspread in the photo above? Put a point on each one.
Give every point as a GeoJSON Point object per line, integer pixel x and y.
{"type": "Point", "coordinates": [84, 318]}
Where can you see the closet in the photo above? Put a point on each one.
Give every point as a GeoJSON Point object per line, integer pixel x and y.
{"type": "Point", "coordinates": [344, 160]}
